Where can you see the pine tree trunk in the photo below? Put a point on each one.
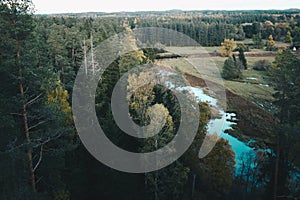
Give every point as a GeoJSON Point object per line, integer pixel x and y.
{"type": "Point", "coordinates": [276, 172]}
{"type": "Point", "coordinates": [193, 186]}
{"type": "Point", "coordinates": [25, 121]}
{"type": "Point", "coordinates": [277, 162]}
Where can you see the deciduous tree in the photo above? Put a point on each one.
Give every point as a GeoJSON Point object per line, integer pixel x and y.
{"type": "Point", "coordinates": [227, 46]}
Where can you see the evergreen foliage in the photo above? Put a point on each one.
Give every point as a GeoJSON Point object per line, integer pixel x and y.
{"type": "Point", "coordinates": [230, 70]}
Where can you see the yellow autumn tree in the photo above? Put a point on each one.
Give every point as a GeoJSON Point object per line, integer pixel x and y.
{"type": "Point", "coordinates": [227, 46]}
{"type": "Point", "coordinates": [134, 57]}
{"type": "Point", "coordinates": [60, 97]}
{"type": "Point", "coordinates": [271, 41]}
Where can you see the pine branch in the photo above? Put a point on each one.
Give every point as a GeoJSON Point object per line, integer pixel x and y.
{"type": "Point", "coordinates": [36, 125]}
{"type": "Point", "coordinates": [40, 159]}
{"type": "Point", "coordinates": [41, 151]}
{"type": "Point", "coordinates": [33, 100]}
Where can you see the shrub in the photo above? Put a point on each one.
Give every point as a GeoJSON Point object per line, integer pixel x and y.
{"type": "Point", "coordinates": [262, 65]}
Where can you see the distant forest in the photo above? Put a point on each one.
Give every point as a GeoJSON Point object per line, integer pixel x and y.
{"type": "Point", "coordinates": [209, 28]}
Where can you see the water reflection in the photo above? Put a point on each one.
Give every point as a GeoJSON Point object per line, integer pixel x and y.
{"type": "Point", "coordinates": [221, 123]}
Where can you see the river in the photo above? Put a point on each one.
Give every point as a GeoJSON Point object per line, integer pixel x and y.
{"type": "Point", "coordinates": [222, 123]}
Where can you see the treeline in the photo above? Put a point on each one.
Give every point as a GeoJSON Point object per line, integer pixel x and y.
{"type": "Point", "coordinates": [207, 14]}
{"type": "Point", "coordinates": [206, 34]}
{"type": "Point", "coordinates": [207, 31]}
{"type": "Point", "coordinates": [211, 31]}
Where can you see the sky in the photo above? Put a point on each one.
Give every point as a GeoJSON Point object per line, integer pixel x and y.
{"type": "Point", "coordinates": [75, 6]}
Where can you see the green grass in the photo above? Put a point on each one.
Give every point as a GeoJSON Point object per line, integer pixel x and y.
{"type": "Point", "coordinates": [253, 92]}
{"type": "Point", "coordinates": [252, 60]}
{"type": "Point", "coordinates": [193, 50]}
{"type": "Point", "coordinates": [245, 41]}
{"type": "Point", "coordinates": [247, 88]}
{"type": "Point", "coordinates": [180, 65]}
{"type": "Point", "coordinates": [212, 49]}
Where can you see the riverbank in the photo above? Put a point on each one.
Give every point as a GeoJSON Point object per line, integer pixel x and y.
{"type": "Point", "coordinates": [254, 123]}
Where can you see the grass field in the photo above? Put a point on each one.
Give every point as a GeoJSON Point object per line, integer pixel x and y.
{"type": "Point", "coordinates": [253, 86]}
{"type": "Point", "coordinates": [250, 98]}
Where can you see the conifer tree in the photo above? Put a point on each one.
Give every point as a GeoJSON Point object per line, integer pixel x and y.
{"type": "Point", "coordinates": [38, 124]}
{"type": "Point", "coordinates": [242, 57]}
{"type": "Point", "coordinates": [230, 70]}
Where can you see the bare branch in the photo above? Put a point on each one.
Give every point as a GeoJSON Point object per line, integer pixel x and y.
{"type": "Point", "coordinates": [40, 159]}
{"type": "Point", "coordinates": [48, 140]}
{"type": "Point", "coordinates": [41, 151]}
{"type": "Point", "coordinates": [19, 114]}
{"type": "Point", "coordinates": [34, 126]}
{"type": "Point", "coordinates": [39, 180]}
{"type": "Point", "coordinates": [34, 99]}
{"type": "Point", "coordinates": [26, 90]}
{"type": "Point", "coordinates": [13, 148]}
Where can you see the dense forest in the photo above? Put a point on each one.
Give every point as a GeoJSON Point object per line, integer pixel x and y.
{"type": "Point", "coordinates": [41, 155]}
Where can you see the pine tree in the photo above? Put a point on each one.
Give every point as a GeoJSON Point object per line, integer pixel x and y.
{"type": "Point", "coordinates": [285, 74]}
{"type": "Point", "coordinates": [16, 21]}
{"type": "Point", "coordinates": [257, 40]}
{"type": "Point", "coordinates": [230, 70]}
{"type": "Point", "coordinates": [242, 57]}
{"type": "Point", "coordinates": [240, 35]}
{"type": "Point", "coordinates": [288, 37]}
{"type": "Point", "coordinates": [38, 124]}
{"type": "Point", "coordinates": [296, 36]}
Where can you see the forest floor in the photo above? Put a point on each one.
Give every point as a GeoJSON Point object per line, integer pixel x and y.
{"type": "Point", "coordinates": [250, 98]}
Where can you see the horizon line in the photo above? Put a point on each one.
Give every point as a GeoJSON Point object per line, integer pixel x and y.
{"type": "Point", "coordinates": [114, 12]}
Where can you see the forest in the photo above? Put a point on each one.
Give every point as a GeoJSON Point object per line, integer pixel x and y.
{"type": "Point", "coordinates": [42, 156]}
